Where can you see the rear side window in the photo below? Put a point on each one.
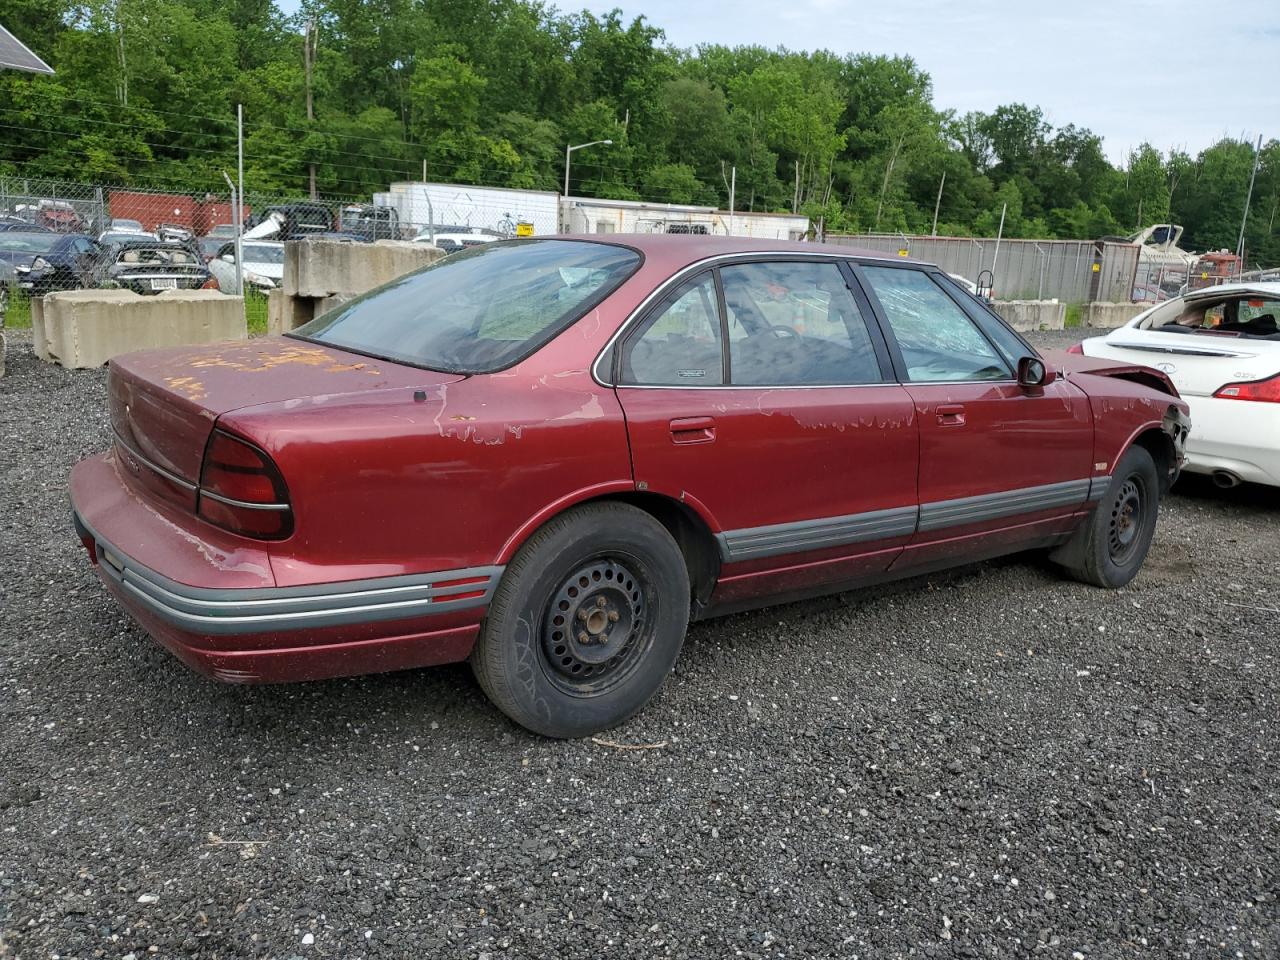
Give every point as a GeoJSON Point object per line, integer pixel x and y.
{"type": "Point", "coordinates": [795, 323]}
{"type": "Point", "coordinates": [478, 310]}
{"type": "Point", "coordinates": [679, 344]}
{"type": "Point", "coordinates": [938, 341]}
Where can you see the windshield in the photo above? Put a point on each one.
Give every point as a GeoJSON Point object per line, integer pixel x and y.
{"type": "Point", "coordinates": [479, 310]}
{"type": "Point", "coordinates": [263, 253]}
{"type": "Point", "coordinates": [28, 242]}
{"type": "Point", "coordinates": [155, 255]}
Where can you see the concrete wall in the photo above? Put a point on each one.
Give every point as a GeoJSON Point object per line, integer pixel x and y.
{"type": "Point", "coordinates": [325, 268]}
{"type": "Point", "coordinates": [86, 328]}
{"type": "Point", "coordinates": [1108, 315]}
{"type": "Point", "coordinates": [1025, 315]}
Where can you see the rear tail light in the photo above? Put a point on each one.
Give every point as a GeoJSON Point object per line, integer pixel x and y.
{"type": "Point", "coordinates": [210, 284]}
{"type": "Point", "coordinates": [241, 490]}
{"type": "Point", "coordinates": [1263, 391]}
{"type": "Point", "coordinates": [1076, 348]}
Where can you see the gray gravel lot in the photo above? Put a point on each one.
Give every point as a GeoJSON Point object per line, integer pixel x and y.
{"type": "Point", "coordinates": [987, 764]}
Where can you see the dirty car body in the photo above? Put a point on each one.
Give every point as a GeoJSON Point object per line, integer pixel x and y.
{"type": "Point", "coordinates": [549, 455]}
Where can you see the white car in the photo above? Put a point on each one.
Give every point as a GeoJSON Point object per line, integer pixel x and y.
{"type": "Point", "coordinates": [263, 265]}
{"type": "Point", "coordinates": [453, 242]}
{"type": "Point", "coordinates": [1221, 348]}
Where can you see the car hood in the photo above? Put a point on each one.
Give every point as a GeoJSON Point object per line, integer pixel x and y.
{"type": "Point", "coordinates": [18, 258]}
{"type": "Point", "coordinates": [1080, 368]}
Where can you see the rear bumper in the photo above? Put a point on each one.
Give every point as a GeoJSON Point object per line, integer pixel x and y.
{"type": "Point", "coordinates": [249, 630]}
{"type": "Point", "coordinates": [1238, 436]}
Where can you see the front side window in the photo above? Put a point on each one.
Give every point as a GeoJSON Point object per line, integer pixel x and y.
{"type": "Point", "coordinates": [795, 323]}
{"type": "Point", "coordinates": [478, 310]}
{"type": "Point", "coordinates": [938, 341]}
{"type": "Point", "coordinates": [679, 344]}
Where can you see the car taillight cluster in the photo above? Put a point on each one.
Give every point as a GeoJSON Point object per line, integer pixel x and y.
{"type": "Point", "coordinates": [1076, 348]}
{"type": "Point", "coordinates": [1264, 391]}
{"type": "Point", "coordinates": [241, 490]}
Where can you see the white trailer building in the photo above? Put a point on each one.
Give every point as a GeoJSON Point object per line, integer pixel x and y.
{"type": "Point", "coordinates": [509, 212]}
{"type": "Point", "coordinates": [590, 215]}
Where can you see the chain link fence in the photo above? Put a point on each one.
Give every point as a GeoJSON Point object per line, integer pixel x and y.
{"type": "Point", "coordinates": [58, 235]}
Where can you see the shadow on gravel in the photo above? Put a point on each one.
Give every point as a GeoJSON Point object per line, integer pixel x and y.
{"type": "Point", "coordinates": [1249, 496]}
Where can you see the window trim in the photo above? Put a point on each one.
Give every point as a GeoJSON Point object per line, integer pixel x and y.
{"type": "Point", "coordinates": [895, 350]}
{"type": "Point", "coordinates": [669, 298]}
{"type": "Point", "coordinates": [606, 369]}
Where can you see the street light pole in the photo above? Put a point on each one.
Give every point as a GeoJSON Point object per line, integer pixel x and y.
{"type": "Point", "coordinates": [568, 154]}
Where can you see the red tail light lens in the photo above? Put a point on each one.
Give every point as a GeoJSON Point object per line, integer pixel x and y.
{"type": "Point", "coordinates": [1262, 391]}
{"type": "Point", "coordinates": [241, 490]}
{"type": "Point", "coordinates": [1076, 348]}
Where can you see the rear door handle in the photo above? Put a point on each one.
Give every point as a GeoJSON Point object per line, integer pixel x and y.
{"type": "Point", "coordinates": [693, 430]}
{"type": "Point", "coordinates": [951, 414]}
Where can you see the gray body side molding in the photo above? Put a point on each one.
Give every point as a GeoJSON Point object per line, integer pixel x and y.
{"type": "Point", "coordinates": [776, 539]}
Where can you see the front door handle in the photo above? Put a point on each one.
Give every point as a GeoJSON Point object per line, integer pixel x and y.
{"type": "Point", "coordinates": [951, 414]}
{"type": "Point", "coordinates": [693, 430]}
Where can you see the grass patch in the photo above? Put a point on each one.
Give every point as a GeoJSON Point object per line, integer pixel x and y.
{"type": "Point", "coordinates": [255, 312]}
{"type": "Point", "coordinates": [1074, 316]}
{"type": "Point", "coordinates": [18, 316]}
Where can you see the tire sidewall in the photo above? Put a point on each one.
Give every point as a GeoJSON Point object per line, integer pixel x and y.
{"type": "Point", "coordinates": [515, 633]}
{"type": "Point", "coordinates": [1136, 464]}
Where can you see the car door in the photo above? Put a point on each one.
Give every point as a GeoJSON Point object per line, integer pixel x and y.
{"type": "Point", "coordinates": [1001, 466]}
{"type": "Point", "coordinates": [760, 394]}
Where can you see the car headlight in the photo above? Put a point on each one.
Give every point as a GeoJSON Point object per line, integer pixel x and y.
{"type": "Point", "coordinates": [40, 263]}
{"type": "Point", "coordinates": [259, 279]}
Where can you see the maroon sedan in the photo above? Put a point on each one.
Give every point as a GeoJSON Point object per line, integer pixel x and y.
{"type": "Point", "coordinates": [548, 456]}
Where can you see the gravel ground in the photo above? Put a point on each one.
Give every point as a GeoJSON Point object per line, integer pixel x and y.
{"type": "Point", "coordinates": [991, 763]}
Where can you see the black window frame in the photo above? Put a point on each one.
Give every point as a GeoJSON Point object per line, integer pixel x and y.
{"type": "Point", "coordinates": [882, 319]}
{"type": "Point", "coordinates": [610, 359]}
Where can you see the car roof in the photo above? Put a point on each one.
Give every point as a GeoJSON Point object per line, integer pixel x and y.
{"type": "Point", "coordinates": [682, 249]}
{"type": "Point", "coordinates": [1269, 287]}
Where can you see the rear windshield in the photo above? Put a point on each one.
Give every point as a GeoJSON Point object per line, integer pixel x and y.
{"type": "Point", "coordinates": [479, 310]}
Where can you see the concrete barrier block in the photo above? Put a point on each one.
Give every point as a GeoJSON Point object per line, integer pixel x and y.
{"type": "Point", "coordinates": [285, 313]}
{"type": "Point", "coordinates": [1109, 315]}
{"type": "Point", "coordinates": [1026, 315]}
{"type": "Point", "coordinates": [86, 328]}
{"type": "Point", "coordinates": [323, 268]}
{"type": "Point", "coordinates": [332, 303]}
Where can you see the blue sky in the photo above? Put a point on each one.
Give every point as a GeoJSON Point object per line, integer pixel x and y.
{"type": "Point", "coordinates": [1175, 73]}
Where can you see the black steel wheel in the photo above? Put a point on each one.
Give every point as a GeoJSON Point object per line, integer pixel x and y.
{"type": "Point", "coordinates": [595, 630]}
{"type": "Point", "coordinates": [586, 622]}
{"type": "Point", "coordinates": [1111, 544]}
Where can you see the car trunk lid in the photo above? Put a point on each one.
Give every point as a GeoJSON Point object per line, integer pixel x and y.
{"type": "Point", "coordinates": [164, 403]}
{"type": "Point", "coordinates": [1198, 364]}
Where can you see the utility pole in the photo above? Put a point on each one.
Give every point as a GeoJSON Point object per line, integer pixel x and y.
{"type": "Point", "coordinates": [999, 235]}
{"type": "Point", "coordinates": [238, 200]}
{"type": "Point", "coordinates": [308, 55]}
{"type": "Point", "coordinates": [938, 203]}
{"type": "Point", "coordinates": [1257, 157]}
{"type": "Point", "coordinates": [123, 88]}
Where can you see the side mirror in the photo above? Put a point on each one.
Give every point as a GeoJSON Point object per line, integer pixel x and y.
{"type": "Point", "coordinates": [1034, 373]}
{"type": "Point", "coordinates": [228, 257]}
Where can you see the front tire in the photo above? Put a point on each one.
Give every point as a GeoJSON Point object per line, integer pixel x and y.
{"type": "Point", "coordinates": [1109, 549]}
{"type": "Point", "coordinates": [586, 622]}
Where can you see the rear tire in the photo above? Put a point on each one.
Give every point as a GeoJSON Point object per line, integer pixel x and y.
{"type": "Point", "coordinates": [586, 622]}
{"type": "Point", "coordinates": [1109, 548]}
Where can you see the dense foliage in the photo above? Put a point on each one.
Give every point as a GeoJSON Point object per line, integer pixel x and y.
{"type": "Point", "coordinates": [490, 91]}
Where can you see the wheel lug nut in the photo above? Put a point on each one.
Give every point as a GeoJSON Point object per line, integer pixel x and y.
{"type": "Point", "coordinates": [582, 615]}
{"type": "Point", "coordinates": [583, 638]}
{"type": "Point", "coordinates": [613, 616]}
{"type": "Point", "coordinates": [600, 601]}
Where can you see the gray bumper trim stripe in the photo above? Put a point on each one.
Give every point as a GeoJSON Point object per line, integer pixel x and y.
{"type": "Point", "coordinates": [270, 609]}
{"type": "Point", "coordinates": [751, 543]}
